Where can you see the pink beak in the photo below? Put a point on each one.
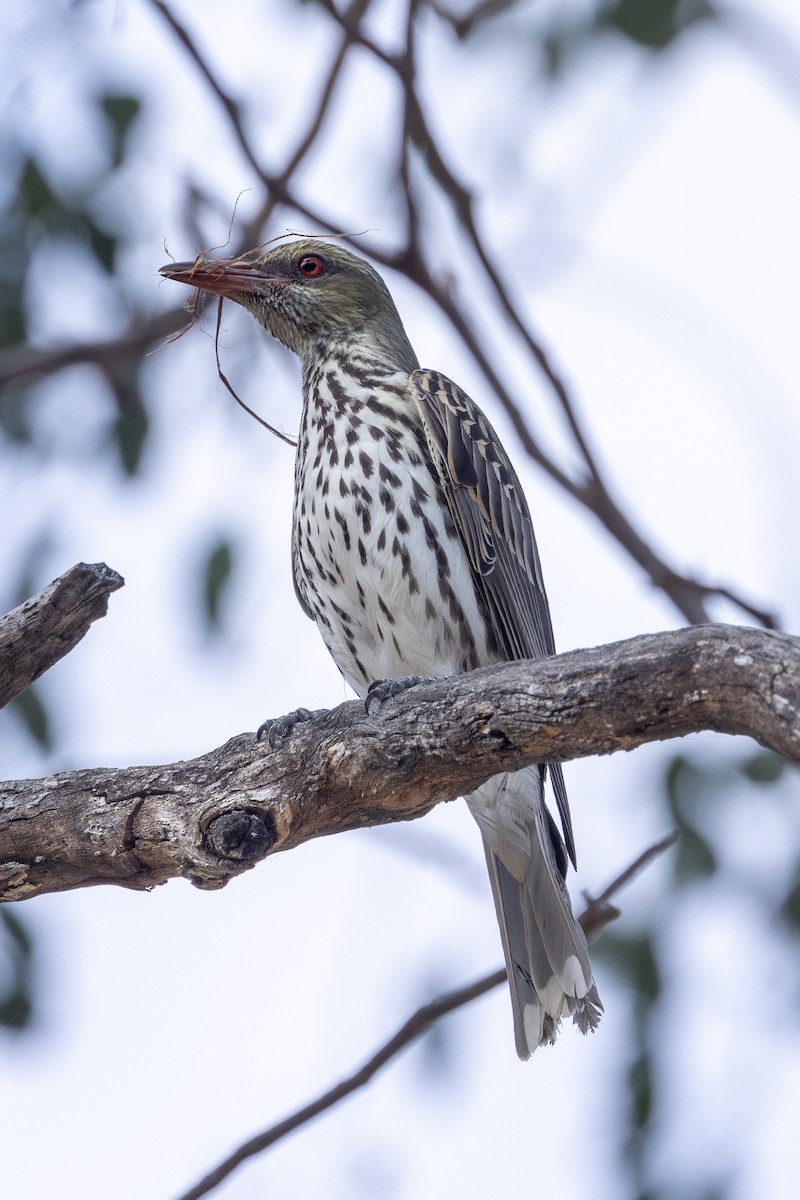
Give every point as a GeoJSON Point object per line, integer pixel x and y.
{"type": "Point", "coordinates": [224, 276]}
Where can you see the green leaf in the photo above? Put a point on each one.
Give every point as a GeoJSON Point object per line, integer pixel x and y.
{"type": "Point", "coordinates": [29, 707]}
{"type": "Point", "coordinates": [132, 426]}
{"type": "Point", "coordinates": [681, 774]}
{"type": "Point", "coordinates": [120, 113]}
{"type": "Point", "coordinates": [633, 960]}
{"type": "Point", "coordinates": [216, 580]}
{"type": "Point", "coordinates": [13, 323]}
{"type": "Point", "coordinates": [790, 909]}
{"type": "Point", "coordinates": [37, 195]}
{"type": "Point", "coordinates": [555, 51]}
{"type": "Point", "coordinates": [654, 23]}
{"type": "Point", "coordinates": [640, 1082]}
{"type": "Point", "coordinates": [15, 413]}
{"type": "Point", "coordinates": [16, 1001]}
{"type": "Point", "coordinates": [686, 786]}
{"type": "Point", "coordinates": [763, 767]}
{"type": "Point", "coordinates": [694, 859]}
{"type": "Point", "coordinates": [103, 246]}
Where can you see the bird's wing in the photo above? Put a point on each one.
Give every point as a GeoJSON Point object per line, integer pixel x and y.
{"type": "Point", "coordinates": [491, 514]}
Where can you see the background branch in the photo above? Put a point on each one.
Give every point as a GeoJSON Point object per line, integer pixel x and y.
{"type": "Point", "coordinates": [23, 364]}
{"type": "Point", "coordinates": [598, 912]}
{"type": "Point", "coordinates": [690, 596]}
{"type": "Point", "coordinates": [588, 484]}
{"type": "Point", "coordinates": [417, 1024]}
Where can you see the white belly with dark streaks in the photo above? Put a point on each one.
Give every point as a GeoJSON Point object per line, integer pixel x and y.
{"type": "Point", "coordinates": [370, 538]}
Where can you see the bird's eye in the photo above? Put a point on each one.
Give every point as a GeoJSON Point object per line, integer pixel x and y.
{"type": "Point", "coordinates": [311, 266]}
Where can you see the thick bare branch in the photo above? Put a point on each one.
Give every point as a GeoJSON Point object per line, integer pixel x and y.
{"type": "Point", "coordinates": [43, 629]}
{"type": "Point", "coordinates": [212, 817]}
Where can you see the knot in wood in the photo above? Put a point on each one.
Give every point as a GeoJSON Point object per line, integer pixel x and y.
{"type": "Point", "coordinates": [241, 835]}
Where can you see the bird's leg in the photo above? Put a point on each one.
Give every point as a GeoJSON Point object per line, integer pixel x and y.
{"type": "Point", "coordinates": [385, 689]}
{"type": "Point", "coordinates": [277, 728]}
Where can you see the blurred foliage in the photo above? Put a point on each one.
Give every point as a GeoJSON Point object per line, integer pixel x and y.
{"type": "Point", "coordinates": [217, 575]}
{"type": "Point", "coordinates": [54, 214]}
{"type": "Point", "coordinates": [438, 1057]}
{"type": "Point", "coordinates": [30, 709]}
{"type": "Point", "coordinates": [16, 970]}
{"type": "Point", "coordinates": [130, 429]}
{"type": "Point", "coordinates": [696, 790]}
{"type": "Point", "coordinates": [121, 113]}
{"type": "Point", "coordinates": [790, 909]}
{"type": "Point", "coordinates": [42, 216]}
{"type": "Point", "coordinates": [686, 787]}
{"type": "Point", "coordinates": [653, 25]}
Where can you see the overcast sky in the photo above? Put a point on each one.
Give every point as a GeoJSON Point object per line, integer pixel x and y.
{"type": "Point", "coordinates": [646, 212]}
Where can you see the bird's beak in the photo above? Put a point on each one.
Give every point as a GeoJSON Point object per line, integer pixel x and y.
{"type": "Point", "coordinates": [224, 276]}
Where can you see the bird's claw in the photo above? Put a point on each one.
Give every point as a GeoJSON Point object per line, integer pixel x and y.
{"type": "Point", "coordinates": [277, 728]}
{"type": "Point", "coordinates": [386, 689]}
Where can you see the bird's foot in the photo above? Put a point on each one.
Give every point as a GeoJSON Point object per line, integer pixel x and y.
{"type": "Point", "coordinates": [277, 728]}
{"type": "Point", "coordinates": [385, 689]}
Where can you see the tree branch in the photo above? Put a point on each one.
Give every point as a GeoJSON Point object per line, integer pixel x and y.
{"type": "Point", "coordinates": [690, 596]}
{"type": "Point", "coordinates": [417, 1024]}
{"type": "Point", "coordinates": [598, 913]}
{"type": "Point", "coordinates": [25, 364]}
{"type": "Point", "coordinates": [212, 817]}
{"type": "Point", "coordinates": [39, 632]}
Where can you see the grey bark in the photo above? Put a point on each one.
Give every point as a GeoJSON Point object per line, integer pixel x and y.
{"type": "Point", "coordinates": [212, 817]}
{"type": "Point", "coordinates": [40, 631]}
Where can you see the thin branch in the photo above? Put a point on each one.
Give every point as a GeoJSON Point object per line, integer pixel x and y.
{"type": "Point", "coordinates": [226, 100]}
{"type": "Point", "coordinates": [462, 202]}
{"type": "Point", "coordinates": [421, 1021]}
{"type": "Point", "coordinates": [598, 913]}
{"type": "Point", "coordinates": [688, 595]}
{"type": "Point", "coordinates": [250, 234]}
{"type": "Point", "coordinates": [465, 24]}
{"type": "Point", "coordinates": [274, 183]}
{"type": "Point", "coordinates": [762, 615]}
{"type": "Point", "coordinates": [25, 364]}
{"type": "Point", "coordinates": [39, 632]}
{"type": "Point", "coordinates": [355, 33]}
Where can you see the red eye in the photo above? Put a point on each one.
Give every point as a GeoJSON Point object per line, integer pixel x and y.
{"type": "Point", "coordinates": [311, 266]}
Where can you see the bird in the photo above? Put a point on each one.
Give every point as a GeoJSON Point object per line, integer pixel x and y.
{"type": "Point", "coordinates": [413, 550]}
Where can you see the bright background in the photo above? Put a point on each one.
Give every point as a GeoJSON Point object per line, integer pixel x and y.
{"type": "Point", "coordinates": [643, 206]}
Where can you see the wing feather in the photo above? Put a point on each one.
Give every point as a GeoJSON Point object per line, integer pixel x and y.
{"type": "Point", "coordinates": [491, 514]}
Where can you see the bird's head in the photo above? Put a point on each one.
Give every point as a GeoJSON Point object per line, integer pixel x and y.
{"type": "Point", "coordinates": [311, 295]}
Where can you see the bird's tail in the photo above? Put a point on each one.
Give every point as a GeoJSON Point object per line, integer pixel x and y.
{"type": "Point", "coordinates": [549, 972]}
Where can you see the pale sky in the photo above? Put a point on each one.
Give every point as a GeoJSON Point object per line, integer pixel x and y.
{"type": "Point", "coordinates": [647, 213]}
